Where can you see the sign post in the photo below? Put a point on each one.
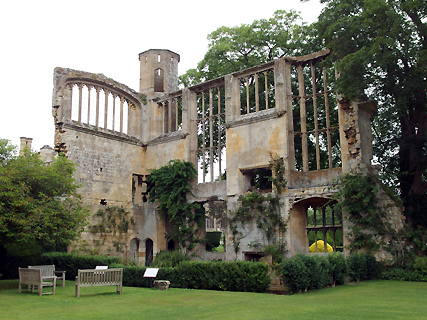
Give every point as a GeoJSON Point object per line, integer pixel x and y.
{"type": "Point", "coordinates": [151, 273]}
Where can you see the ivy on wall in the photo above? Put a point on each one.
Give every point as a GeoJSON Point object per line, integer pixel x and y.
{"type": "Point", "coordinates": [171, 184]}
{"type": "Point", "coordinates": [262, 209]}
{"type": "Point", "coordinates": [369, 227]}
{"type": "Point", "coordinates": [115, 223]}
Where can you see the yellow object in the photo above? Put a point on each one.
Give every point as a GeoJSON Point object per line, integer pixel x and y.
{"type": "Point", "coordinates": [320, 247]}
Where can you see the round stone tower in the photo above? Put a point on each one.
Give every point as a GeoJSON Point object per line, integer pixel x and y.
{"type": "Point", "coordinates": [158, 72]}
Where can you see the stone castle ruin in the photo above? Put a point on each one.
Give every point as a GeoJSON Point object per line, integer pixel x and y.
{"type": "Point", "coordinates": [229, 128]}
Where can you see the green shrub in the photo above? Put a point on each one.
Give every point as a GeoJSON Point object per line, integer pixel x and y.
{"type": "Point", "coordinates": [226, 276]}
{"type": "Point", "coordinates": [295, 274]}
{"type": "Point", "coordinates": [213, 239]}
{"type": "Point", "coordinates": [169, 259]}
{"type": "Point", "coordinates": [420, 265]}
{"type": "Point", "coordinates": [362, 266]}
{"type": "Point", "coordinates": [325, 270]}
{"type": "Point", "coordinates": [372, 267]}
{"type": "Point", "coordinates": [338, 267]}
{"type": "Point", "coordinates": [402, 274]}
{"type": "Point", "coordinates": [356, 266]}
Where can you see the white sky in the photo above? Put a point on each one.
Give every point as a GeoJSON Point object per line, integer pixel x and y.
{"type": "Point", "coordinates": [103, 37]}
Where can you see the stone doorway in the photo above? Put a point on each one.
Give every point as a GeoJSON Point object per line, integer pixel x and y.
{"type": "Point", "coordinates": [148, 252]}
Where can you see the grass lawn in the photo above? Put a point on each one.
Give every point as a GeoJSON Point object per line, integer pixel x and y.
{"type": "Point", "coordinates": [364, 300]}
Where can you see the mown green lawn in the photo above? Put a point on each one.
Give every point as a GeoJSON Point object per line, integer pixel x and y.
{"type": "Point", "coordinates": [364, 300]}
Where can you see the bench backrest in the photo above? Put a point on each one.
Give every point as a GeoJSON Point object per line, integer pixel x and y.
{"type": "Point", "coordinates": [30, 276]}
{"type": "Point", "coordinates": [96, 277]}
{"type": "Point", "coordinates": [47, 270]}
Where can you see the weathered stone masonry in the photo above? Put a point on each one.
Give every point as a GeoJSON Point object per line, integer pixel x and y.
{"type": "Point", "coordinates": [232, 124]}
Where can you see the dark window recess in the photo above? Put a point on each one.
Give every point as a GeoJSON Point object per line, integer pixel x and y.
{"type": "Point", "coordinates": [140, 188]}
{"type": "Point", "coordinates": [158, 80]}
{"type": "Point", "coordinates": [261, 179]}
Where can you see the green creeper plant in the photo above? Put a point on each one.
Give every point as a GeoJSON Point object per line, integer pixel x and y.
{"type": "Point", "coordinates": [369, 228]}
{"type": "Point", "coordinates": [171, 186]}
{"type": "Point", "coordinates": [115, 222]}
{"type": "Point", "coordinates": [263, 209]}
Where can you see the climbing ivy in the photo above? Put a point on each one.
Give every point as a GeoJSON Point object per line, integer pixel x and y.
{"type": "Point", "coordinates": [369, 227]}
{"type": "Point", "coordinates": [171, 184]}
{"type": "Point", "coordinates": [115, 221]}
{"type": "Point", "coordinates": [263, 209]}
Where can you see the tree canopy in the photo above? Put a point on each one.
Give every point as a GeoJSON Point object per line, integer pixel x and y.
{"type": "Point", "coordinates": [380, 51]}
{"type": "Point", "coordinates": [236, 48]}
{"type": "Point", "coordinates": [39, 203]}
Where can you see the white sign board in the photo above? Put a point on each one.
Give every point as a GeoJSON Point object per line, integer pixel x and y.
{"type": "Point", "coordinates": [151, 272]}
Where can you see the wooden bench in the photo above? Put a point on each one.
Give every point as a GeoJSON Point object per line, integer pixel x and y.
{"type": "Point", "coordinates": [48, 271]}
{"type": "Point", "coordinates": [94, 278]}
{"type": "Point", "coordinates": [34, 277]}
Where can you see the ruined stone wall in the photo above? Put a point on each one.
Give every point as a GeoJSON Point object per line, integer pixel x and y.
{"type": "Point", "coordinates": [114, 157]}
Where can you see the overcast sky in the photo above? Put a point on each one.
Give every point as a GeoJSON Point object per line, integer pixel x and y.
{"type": "Point", "coordinates": [103, 37]}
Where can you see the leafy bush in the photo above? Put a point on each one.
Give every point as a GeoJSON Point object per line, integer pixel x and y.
{"type": "Point", "coordinates": [402, 274]}
{"type": "Point", "coordinates": [308, 272]}
{"type": "Point", "coordinates": [296, 273]}
{"type": "Point", "coordinates": [362, 266]}
{"type": "Point", "coordinates": [169, 259]}
{"type": "Point", "coordinates": [213, 239]}
{"type": "Point", "coordinates": [420, 265]}
{"type": "Point", "coordinates": [339, 268]}
{"type": "Point", "coordinates": [226, 276]}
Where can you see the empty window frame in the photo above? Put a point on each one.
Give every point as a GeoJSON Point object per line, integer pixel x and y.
{"type": "Point", "coordinates": [172, 114]}
{"type": "Point", "coordinates": [323, 222]}
{"type": "Point", "coordinates": [257, 92]}
{"type": "Point", "coordinates": [211, 135]}
{"type": "Point", "coordinates": [315, 116]}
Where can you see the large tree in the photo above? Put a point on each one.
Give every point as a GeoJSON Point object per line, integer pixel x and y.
{"type": "Point", "coordinates": [39, 203]}
{"type": "Point", "coordinates": [236, 48]}
{"type": "Point", "coordinates": [380, 51]}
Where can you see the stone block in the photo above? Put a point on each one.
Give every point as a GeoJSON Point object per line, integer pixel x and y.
{"type": "Point", "coordinates": [161, 284]}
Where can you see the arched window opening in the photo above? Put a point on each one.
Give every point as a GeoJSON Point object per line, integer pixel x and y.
{"type": "Point", "coordinates": [134, 250]}
{"type": "Point", "coordinates": [158, 80]}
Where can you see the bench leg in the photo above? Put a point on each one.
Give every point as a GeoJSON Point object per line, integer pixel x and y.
{"type": "Point", "coordinates": [54, 286]}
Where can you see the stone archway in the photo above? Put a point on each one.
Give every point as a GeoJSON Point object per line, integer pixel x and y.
{"type": "Point", "coordinates": [134, 250]}
{"type": "Point", "coordinates": [314, 219]}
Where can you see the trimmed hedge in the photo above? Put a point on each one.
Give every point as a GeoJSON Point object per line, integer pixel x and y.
{"type": "Point", "coordinates": [223, 276]}
{"type": "Point", "coordinates": [362, 266]}
{"type": "Point", "coordinates": [308, 272]}
{"type": "Point", "coordinates": [402, 274]}
{"type": "Point", "coordinates": [71, 262]}
{"type": "Point", "coordinates": [339, 268]}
